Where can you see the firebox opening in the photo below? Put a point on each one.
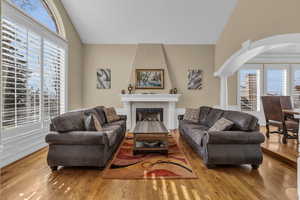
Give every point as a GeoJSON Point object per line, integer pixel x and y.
{"type": "Point", "coordinates": [149, 114]}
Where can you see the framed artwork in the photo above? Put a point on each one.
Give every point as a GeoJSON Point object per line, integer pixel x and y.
{"type": "Point", "coordinates": [103, 78]}
{"type": "Point", "coordinates": [149, 79]}
{"type": "Point", "coordinates": [195, 79]}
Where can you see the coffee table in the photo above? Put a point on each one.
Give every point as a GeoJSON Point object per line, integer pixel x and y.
{"type": "Point", "coordinates": [150, 137]}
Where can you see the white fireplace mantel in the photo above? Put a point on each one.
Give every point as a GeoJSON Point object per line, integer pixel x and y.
{"type": "Point", "coordinates": [165, 101]}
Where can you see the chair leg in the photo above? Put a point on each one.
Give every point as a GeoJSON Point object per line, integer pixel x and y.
{"type": "Point", "coordinates": [268, 131]}
{"type": "Point", "coordinates": [255, 166]}
{"type": "Point", "coordinates": [53, 168]}
{"type": "Point", "coordinates": [285, 135]}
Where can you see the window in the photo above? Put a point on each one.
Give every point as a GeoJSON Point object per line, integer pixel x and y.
{"type": "Point", "coordinates": [38, 10]}
{"type": "Point", "coordinates": [53, 79]}
{"type": "Point", "coordinates": [276, 80]}
{"type": "Point", "coordinates": [249, 90]}
{"type": "Point", "coordinates": [32, 72]}
{"type": "Point", "coordinates": [21, 75]}
{"type": "Point", "coordinates": [296, 86]}
{"type": "Point", "coordinates": [255, 80]}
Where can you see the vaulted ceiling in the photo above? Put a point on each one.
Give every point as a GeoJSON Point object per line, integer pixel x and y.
{"type": "Point", "coordinates": [149, 21]}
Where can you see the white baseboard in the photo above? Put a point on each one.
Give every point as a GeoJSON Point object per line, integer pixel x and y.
{"type": "Point", "coordinates": [10, 158]}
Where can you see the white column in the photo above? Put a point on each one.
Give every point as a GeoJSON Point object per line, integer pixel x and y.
{"type": "Point", "coordinates": [224, 92]}
{"type": "Point", "coordinates": [172, 115]}
{"type": "Point", "coordinates": [127, 108]}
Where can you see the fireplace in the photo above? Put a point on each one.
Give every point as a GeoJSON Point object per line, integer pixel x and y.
{"type": "Point", "coordinates": [149, 114]}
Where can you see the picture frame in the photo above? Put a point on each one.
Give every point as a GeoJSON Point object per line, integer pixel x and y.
{"type": "Point", "coordinates": [103, 78]}
{"type": "Point", "coordinates": [149, 79]}
{"type": "Point", "coordinates": [195, 79]}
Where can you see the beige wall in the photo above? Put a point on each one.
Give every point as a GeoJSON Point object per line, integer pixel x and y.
{"type": "Point", "coordinates": [120, 58]}
{"type": "Point", "coordinates": [254, 20]}
{"type": "Point", "coordinates": [74, 60]}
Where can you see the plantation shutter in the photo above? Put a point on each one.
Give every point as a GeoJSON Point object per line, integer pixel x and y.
{"type": "Point", "coordinates": [249, 89]}
{"type": "Point", "coordinates": [296, 88]}
{"type": "Point", "coordinates": [21, 75]}
{"type": "Point", "coordinates": [54, 63]}
{"type": "Point", "coordinates": [276, 82]}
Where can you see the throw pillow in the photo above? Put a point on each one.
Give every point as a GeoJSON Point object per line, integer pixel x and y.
{"type": "Point", "coordinates": [91, 123]}
{"type": "Point", "coordinates": [192, 115]}
{"type": "Point", "coordinates": [111, 114]}
{"type": "Point", "coordinates": [222, 125]}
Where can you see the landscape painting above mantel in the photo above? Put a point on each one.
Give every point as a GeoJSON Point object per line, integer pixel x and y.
{"type": "Point", "coordinates": [149, 79]}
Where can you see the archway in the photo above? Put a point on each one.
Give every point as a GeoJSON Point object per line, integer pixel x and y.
{"type": "Point", "coordinates": [248, 51]}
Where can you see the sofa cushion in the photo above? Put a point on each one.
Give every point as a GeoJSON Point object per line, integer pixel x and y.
{"type": "Point", "coordinates": [91, 123]}
{"type": "Point", "coordinates": [188, 125]}
{"type": "Point", "coordinates": [221, 125]}
{"type": "Point", "coordinates": [204, 111]}
{"type": "Point", "coordinates": [111, 114]}
{"type": "Point", "coordinates": [242, 121]}
{"type": "Point", "coordinates": [70, 121]}
{"type": "Point", "coordinates": [101, 114]}
{"type": "Point", "coordinates": [121, 123]}
{"type": "Point", "coordinates": [192, 115]}
{"type": "Point", "coordinates": [213, 116]}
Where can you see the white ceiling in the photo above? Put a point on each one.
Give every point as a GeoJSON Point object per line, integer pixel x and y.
{"type": "Point", "coordinates": [149, 21]}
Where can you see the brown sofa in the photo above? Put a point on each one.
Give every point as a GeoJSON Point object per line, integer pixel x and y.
{"type": "Point", "coordinates": [238, 145]}
{"type": "Point", "coordinates": [71, 145]}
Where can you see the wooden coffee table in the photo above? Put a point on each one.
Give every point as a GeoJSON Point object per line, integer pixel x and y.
{"type": "Point", "coordinates": [150, 137]}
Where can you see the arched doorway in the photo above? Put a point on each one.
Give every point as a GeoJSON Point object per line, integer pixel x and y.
{"type": "Point", "coordinates": [248, 51]}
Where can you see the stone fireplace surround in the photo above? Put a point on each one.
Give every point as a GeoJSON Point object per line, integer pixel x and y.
{"type": "Point", "coordinates": [165, 101]}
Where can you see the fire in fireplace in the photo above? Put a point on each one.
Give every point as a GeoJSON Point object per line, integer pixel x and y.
{"type": "Point", "coordinates": [149, 114]}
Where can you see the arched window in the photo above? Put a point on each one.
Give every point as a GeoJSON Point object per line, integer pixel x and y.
{"type": "Point", "coordinates": [33, 63]}
{"type": "Point", "coordinates": [38, 10]}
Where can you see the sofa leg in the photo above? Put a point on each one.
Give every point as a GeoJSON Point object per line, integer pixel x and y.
{"type": "Point", "coordinates": [53, 168]}
{"type": "Point", "coordinates": [210, 166]}
{"type": "Point", "coordinates": [254, 166]}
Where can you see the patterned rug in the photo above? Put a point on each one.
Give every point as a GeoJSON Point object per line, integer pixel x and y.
{"type": "Point", "coordinates": [125, 165]}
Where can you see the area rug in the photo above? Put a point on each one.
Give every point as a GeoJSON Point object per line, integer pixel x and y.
{"type": "Point", "coordinates": [125, 165]}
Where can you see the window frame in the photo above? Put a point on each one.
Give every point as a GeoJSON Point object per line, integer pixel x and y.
{"type": "Point", "coordinates": [258, 67]}
{"type": "Point", "coordinates": [293, 67]}
{"type": "Point", "coordinates": [277, 66]}
{"type": "Point", "coordinates": [10, 12]}
{"type": "Point", "coordinates": [51, 11]}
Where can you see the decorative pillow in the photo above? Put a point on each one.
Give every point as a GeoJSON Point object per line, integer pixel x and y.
{"type": "Point", "coordinates": [91, 123]}
{"type": "Point", "coordinates": [192, 115]}
{"type": "Point", "coordinates": [111, 114]}
{"type": "Point", "coordinates": [222, 125]}
{"type": "Point", "coordinates": [70, 121]}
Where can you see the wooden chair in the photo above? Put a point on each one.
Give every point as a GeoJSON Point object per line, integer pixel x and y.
{"type": "Point", "coordinates": [291, 122]}
{"type": "Point", "coordinates": [273, 106]}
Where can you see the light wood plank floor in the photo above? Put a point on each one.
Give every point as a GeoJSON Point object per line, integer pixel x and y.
{"type": "Point", "coordinates": [30, 178]}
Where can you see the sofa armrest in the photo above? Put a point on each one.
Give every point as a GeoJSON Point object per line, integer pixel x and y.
{"type": "Point", "coordinates": [180, 117]}
{"type": "Point", "coordinates": [123, 117]}
{"type": "Point", "coordinates": [233, 137]}
{"type": "Point", "coordinates": [77, 138]}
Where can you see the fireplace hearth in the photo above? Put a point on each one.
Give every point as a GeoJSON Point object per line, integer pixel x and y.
{"type": "Point", "coordinates": [149, 114]}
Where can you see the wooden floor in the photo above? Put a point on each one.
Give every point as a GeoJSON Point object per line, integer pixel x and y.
{"type": "Point", "coordinates": [30, 178]}
{"type": "Point", "coordinates": [274, 147]}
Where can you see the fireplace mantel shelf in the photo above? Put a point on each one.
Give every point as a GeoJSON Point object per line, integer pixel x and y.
{"type": "Point", "coordinates": [150, 97]}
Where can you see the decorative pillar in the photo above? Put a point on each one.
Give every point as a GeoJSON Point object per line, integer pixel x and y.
{"type": "Point", "coordinates": [127, 108]}
{"type": "Point", "coordinates": [172, 115]}
{"type": "Point", "coordinates": [224, 92]}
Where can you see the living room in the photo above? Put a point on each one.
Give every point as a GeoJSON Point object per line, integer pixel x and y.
{"type": "Point", "coordinates": [149, 100]}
